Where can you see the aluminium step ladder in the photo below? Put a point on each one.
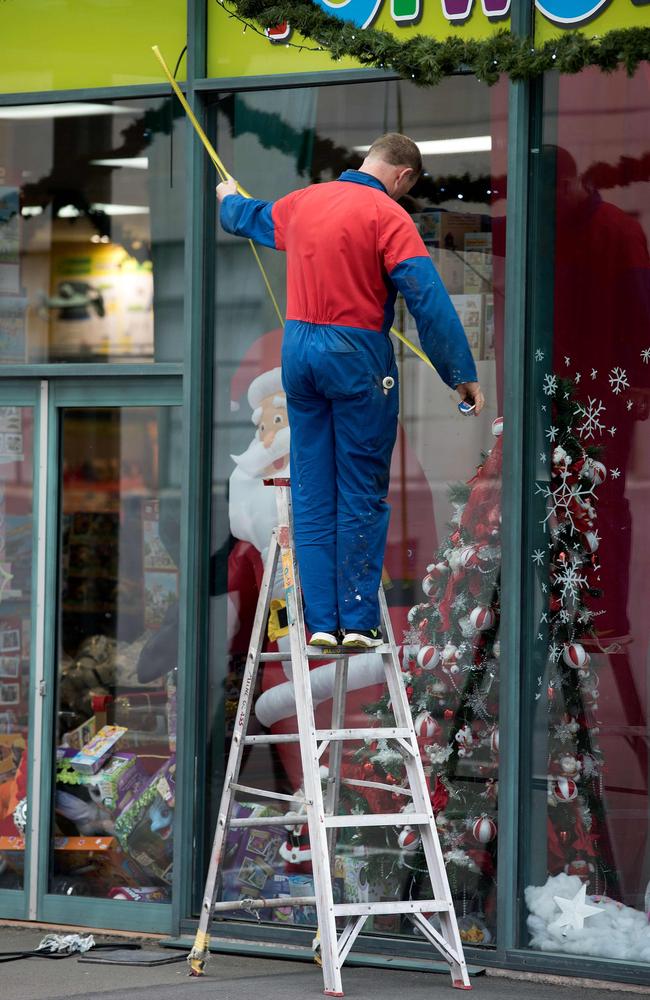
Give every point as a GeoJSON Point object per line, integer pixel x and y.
{"type": "Point", "coordinates": [309, 805]}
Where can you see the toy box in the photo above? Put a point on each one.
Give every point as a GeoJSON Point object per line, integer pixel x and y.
{"type": "Point", "coordinates": [144, 826]}
{"type": "Point", "coordinates": [95, 753]}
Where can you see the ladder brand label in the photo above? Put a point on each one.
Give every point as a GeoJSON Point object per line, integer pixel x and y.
{"type": "Point", "coordinates": [288, 583]}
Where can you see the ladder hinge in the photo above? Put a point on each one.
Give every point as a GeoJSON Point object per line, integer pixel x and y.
{"type": "Point", "coordinates": [42, 688]}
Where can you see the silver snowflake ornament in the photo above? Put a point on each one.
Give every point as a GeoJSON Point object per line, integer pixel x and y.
{"type": "Point", "coordinates": [618, 380]}
{"type": "Point", "coordinates": [549, 387]}
{"type": "Point", "coordinates": [590, 415]}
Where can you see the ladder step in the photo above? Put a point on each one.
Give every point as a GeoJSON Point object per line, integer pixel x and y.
{"type": "Point", "coordinates": [289, 819]}
{"type": "Point", "coordinates": [318, 653]}
{"type": "Point", "coordinates": [261, 904]}
{"type": "Point", "coordinates": [378, 819]}
{"type": "Point", "coordinates": [298, 819]}
{"type": "Point", "coordinates": [371, 733]}
{"type": "Point", "coordinates": [266, 794]}
{"type": "Point", "coordinates": [402, 906]}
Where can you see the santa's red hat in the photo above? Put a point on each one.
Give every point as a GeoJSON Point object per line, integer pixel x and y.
{"type": "Point", "coordinates": [258, 374]}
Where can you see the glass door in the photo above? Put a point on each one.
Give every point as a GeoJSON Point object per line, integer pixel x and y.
{"type": "Point", "coordinates": [102, 733]}
{"type": "Point", "coordinates": [114, 653]}
{"type": "Point", "coordinates": [18, 519]}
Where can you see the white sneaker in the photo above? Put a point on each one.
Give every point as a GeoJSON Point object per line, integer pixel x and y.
{"type": "Point", "coordinates": [363, 638]}
{"type": "Point", "coordinates": [325, 639]}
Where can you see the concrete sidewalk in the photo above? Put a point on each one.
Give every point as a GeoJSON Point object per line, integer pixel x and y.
{"type": "Point", "coordinates": [233, 977]}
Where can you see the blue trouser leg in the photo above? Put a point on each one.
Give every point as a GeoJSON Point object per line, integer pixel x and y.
{"type": "Point", "coordinates": [343, 429]}
{"type": "Point", "coordinates": [313, 492]}
{"type": "Point", "coordinates": [365, 430]}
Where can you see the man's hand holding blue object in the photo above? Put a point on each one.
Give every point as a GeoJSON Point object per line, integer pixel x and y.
{"type": "Point", "coordinates": [472, 399]}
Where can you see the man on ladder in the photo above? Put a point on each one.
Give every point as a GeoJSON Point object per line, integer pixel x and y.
{"type": "Point", "coordinates": [350, 249]}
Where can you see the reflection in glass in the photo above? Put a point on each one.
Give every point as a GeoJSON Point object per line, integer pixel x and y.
{"type": "Point", "coordinates": [91, 234]}
{"type": "Point", "coordinates": [589, 753]}
{"type": "Point", "coordinates": [442, 562]}
{"type": "Point", "coordinates": [16, 529]}
{"type": "Point", "coordinates": [118, 637]}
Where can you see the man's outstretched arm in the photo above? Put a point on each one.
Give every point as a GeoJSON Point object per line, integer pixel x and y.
{"type": "Point", "coordinates": [440, 331]}
{"type": "Point", "coordinates": [245, 216]}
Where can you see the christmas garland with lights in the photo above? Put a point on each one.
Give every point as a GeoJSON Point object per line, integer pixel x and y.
{"type": "Point", "coordinates": [427, 60]}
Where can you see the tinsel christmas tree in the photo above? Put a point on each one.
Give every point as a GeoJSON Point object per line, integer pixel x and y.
{"type": "Point", "coordinates": [450, 664]}
{"type": "Point", "coordinates": [577, 833]}
{"type": "Point", "coordinates": [451, 671]}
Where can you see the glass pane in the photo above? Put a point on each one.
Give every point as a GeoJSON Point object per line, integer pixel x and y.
{"type": "Point", "coordinates": [590, 521]}
{"type": "Point", "coordinates": [441, 567]}
{"type": "Point", "coordinates": [113, 812]}
{"type": "Point", "coordinates": [91, 232]}
{"type": "Point", "coordinates": [16, 532]}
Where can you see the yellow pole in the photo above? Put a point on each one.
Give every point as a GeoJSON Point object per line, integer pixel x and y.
{"type": "Point", "coordinates": [224, 175]}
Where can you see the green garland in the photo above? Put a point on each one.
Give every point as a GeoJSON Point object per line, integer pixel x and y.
{"type": "Point", "coordinates": [427, 61]}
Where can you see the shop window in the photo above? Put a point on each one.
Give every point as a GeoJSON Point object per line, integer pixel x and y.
{"type": "Point", "coordinates": [587, 860]}
{"type": "Point", "coordinates": [114, 796]}
{"type": "Point", "coordinates": [91, 233]}
{"type": "Point", "coordinates": [442, 566]}
{"type": "Point", "coordinates": [16, 527]}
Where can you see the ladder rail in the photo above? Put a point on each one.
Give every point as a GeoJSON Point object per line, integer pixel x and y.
{"type": "Point", "coordinates": [308, 749]}
{"type": "Point", "coordinates": [422, 803]}
{"type": "Point", "coordinates": [198, 954]}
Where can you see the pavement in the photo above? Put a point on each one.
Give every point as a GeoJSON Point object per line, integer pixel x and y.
{"type": "Point", "coordinates": [237, 977]}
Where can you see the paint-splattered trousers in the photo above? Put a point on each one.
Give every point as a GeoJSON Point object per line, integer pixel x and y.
{"type": "Point", "coordinates": [343, 428]}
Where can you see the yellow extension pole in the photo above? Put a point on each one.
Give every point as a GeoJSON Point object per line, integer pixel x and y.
{"type": "Point", "coordinates": [224, 175]}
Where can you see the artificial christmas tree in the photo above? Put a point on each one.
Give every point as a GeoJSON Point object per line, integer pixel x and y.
{"type": "Point", "coordinates": [451, 672]}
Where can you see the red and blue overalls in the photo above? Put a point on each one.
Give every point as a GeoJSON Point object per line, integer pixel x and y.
{"type": "Point", "coordinates": [350, 249]}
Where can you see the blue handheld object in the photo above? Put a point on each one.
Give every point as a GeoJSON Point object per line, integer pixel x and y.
{"type": "Point", "coordinates": [466, 407]}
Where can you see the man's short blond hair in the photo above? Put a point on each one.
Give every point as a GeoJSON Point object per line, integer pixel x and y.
{"type": "Point", "coordinates": [398, 150]}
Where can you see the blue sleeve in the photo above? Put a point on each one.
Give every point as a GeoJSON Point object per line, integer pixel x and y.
{"type": "Point", "coordinates": [248, 217]}
{"type": "Point", "coordinates": [440, 331]}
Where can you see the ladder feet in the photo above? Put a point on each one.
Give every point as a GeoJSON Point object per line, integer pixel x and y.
{"type": "Point", "coordinates": [196, 961]}
{"type": "Point", "coordinates": [460, 985]}
{"type": "Point", "coordinates": [333, 993]}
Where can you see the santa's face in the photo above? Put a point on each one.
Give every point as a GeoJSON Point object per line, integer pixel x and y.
{"type": "Point", "coordinates": [268, 453]}
{"type": "Point", "coordinates": [273, 420]}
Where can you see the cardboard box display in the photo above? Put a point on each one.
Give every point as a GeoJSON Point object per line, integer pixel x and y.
{"type": "Point", "coordinates": [251, 865]}
{"type": "Point", "coordinates": [96, 752]}
{"type": "Point", "coordinates": [478, 263]}
{"type": "Point", "coordinates": [110, 784]}
{"type": "Point", "coordinates": [78, 737]}
{"type": "Point", "coordinates": [470, 313]}
{"type": "Point", "coordinates": [144, 827]}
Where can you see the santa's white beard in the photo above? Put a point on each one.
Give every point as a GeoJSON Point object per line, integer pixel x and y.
{"type": "Point", "coordinates": [252, 510]}
{"type": "Point", "coordinates": [257, 457]}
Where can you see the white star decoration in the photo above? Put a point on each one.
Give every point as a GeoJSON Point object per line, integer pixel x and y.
{"type": "Point", "coordinates": [567, 360]}
{"type": "Point", "coordinates": [594, 372]}
{"type": "Point", "coordinates": [645, 355]}
{"type": "Point", "coordinates": [615, 473]}
{"type": "Point", "coordinates": [538, 557]}
{"type": "Point", "coordinates": [574, 911]}
{"type": "Point", "coordinates": [539, 355]}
